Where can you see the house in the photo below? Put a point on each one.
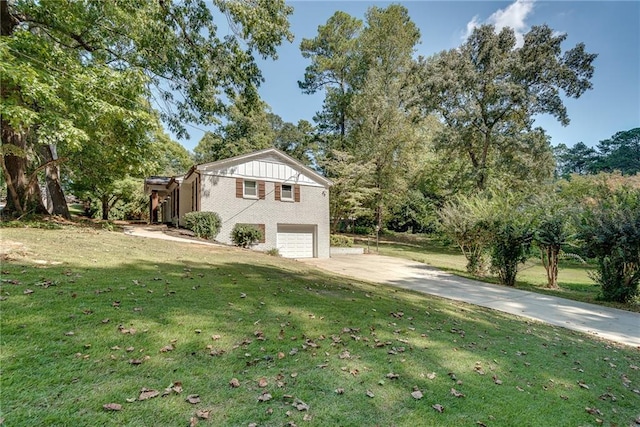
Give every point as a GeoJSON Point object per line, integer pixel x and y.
{"type": "Point", "coordinates": [286, 200]}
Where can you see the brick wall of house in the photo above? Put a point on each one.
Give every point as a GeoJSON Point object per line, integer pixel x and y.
{"type": "Point", "coordinates": [218, 194]}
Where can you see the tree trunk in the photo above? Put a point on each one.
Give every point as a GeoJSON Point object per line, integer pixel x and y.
{"type": "Point", "coordinates": [105, 207]}
{"type": "Point", "coordinates": [53, 182]}
{"type": "Point", "coordinates": [550, 256]}
{"type": "Point", "coordinates": [25, 193]}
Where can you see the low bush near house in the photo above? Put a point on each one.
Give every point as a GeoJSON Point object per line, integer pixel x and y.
{"type": "Point", "coordinates": [203, 224]}
{"type": "Point", "coordinates": [244, 235]}
{"type": "Point", "coordinates": [339, 241]}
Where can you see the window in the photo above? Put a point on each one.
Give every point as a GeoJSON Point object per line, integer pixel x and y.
{"type": "Point", "coordinates": [250, 189]}
{"type": "Point", "coordinates": [287, 192]}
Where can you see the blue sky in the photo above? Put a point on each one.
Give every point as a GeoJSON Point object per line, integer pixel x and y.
{"type": "Point", "coordinates": [609, 28]}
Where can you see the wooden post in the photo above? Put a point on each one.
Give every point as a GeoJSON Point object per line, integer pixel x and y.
{"type": "Point", "coordinates": [153, 218]}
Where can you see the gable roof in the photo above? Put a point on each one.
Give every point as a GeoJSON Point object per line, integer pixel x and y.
{"type": "Point", "coordinates": [231, 165]}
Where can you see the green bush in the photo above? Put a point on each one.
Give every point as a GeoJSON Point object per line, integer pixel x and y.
{"type": "Point", "coordinates": [272, 252]}
{"type": "Point", "coordinates": [611, 233]}
{"type": "Point", "coordinates": [203, 224]}
{"type": "Point", "coordinates": [339, 241]}
{"type": "Point", "coordinates": [245, 235]}
{"type": "Point", "coordinates": [362, 230]}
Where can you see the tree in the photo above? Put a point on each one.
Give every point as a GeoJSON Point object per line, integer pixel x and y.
{"type": "Point", "coordinates": [621, 153]}
{"type": "Point", "coordinates": [384, 126]}
{"type": "Point", "coordinates": [63, 63]}
{"type": "Point", "coordinates": [169, 156]}
{"type": "Point", "coordinates": [299, 141]}
{"type": "Point", "coordinates": [348, 195]}
{"type": "Point", "coordinates": [488, 91]}
{"type": "Point", "coordinates": [578, 159]}
{"type": "Point", "coordinates": [336, 67]}
{"type": "Point", "coordinates": [247, 129]}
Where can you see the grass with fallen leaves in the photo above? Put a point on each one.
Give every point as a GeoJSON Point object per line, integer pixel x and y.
{"type": "Point", "coordinates": [99, 328]}
{"type": "Point", "coordinates": [573, 277]}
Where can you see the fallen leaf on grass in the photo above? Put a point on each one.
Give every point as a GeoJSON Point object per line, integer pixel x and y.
{"type": "Point", "coordinates": [234, 383]}
{"type": "Point", "coordinates": [370, 393]}
{"type": "Point", "coordinates": [262, 382]}
{"type": "Point", "coordinates": [264, 397]}
{"type": "Point", "coordinates": [28, 292]}
{"type": "Point", "coordinates": [417, 394]}
{"type": "Point", "coordinates": [167, 348]}
{"type": "Point", "coordinates": [393, 376]}
{"type": "Point", "coordinates": [583, 385]}
{"type": "Point", "coordinates": [70, 333]}
{"type": "Point", "coordinates": [203, 414]}
{"type": "Point", "coordinates": [456, 393]}
{"type": "Point", "coordinates": [176, 387]}
{"type": "Point", "coordinates": [307, 417]}
{"type": "Point", "coordinates": [146, 394]}
{"type": "Point", "coordinates": [112, 407]}
{"type": "Point", "coordinates": [339, 390]}
{"type": "Point", "coordinates": [593, 411]}
{"type": "Point", "coordinates": [431, 375]}
{"type": "Point", "coordinates": [438, 407]}
{"type": "Point", "coordinates": [300, 405]}
{"type": "Point", "coordinates": [193, 421]}
{"type": "Point", "coordinates": [193, 399]}
{"type": "Point", "coordinates": [497, 380]}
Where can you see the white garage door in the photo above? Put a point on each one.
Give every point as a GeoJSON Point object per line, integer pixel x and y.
{"type": "Point", "coordinates": [296, 241]}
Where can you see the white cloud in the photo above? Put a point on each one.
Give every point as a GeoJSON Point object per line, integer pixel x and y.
{"type": "Point", "coordinates": [513, 16]}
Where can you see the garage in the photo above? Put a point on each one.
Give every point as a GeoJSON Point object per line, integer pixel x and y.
{"type": "Point", "coordinates": [296, 241]}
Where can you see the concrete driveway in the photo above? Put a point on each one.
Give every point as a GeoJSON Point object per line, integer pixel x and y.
{"type": "Point", "coordinates": [608, 323]}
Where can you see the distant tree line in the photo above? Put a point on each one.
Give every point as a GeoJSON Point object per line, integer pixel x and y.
{"type": "Point", "coordinates": [619, 153]}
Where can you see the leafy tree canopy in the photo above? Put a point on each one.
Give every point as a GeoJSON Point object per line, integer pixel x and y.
{"type": "Point", "coordinates": [488, 90]}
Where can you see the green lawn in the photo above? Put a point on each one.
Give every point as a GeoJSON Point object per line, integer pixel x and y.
{"type": "Point", "coordinates": [573, 277]}
{"type": "Point", "coordinates": [91, 317]}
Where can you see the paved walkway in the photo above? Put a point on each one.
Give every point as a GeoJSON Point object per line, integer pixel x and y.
{"type": "Point", "coordinates": [609, 323]}
{"type": "Point", "coordinates": [158, 232]}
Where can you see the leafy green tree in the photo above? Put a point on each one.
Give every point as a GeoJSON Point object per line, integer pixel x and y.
{"type": "Point", "coordinates": [299, 141]}
{"type": "Point", "coordinates": [384, 126]}
{"type": "Point", "coordinates": [169, 156]}
{"type": "Point", "coordinates": [578, 159]}
{"type": "Point", "coordinates": [63, 64]}
{"type": "Point", "coordinates": [348, 195]}
{"type": "Point", "coordinates": [488, 91]}
{"type": "Point", "coordinates": [621, 153]}
{"type": "Point", "coordinates": [336, 67]}
{"type": "Point", "coordinates": [247, 129]}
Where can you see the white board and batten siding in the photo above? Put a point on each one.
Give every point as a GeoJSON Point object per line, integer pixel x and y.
{"type": "Point", "coordinates": [264, 169]}
{"type": "Point", "coordinates": [296, 241]}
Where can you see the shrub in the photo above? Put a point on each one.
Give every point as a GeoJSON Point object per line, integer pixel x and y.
{"type": "Point", "coordinates": [362, 230]}
{"type": "Point", "coordinates": [611, 234]}
{"type": "Point", "coordinates": [272, 252]}
{"type": "Point", "coordinates": [244, 235]}
{"type": "Point", "coordinates": [339, 241]}
{"type": "Point", "coordinates": [510, 246]}
{"type": "Point", "coordinates": [203, 224]}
